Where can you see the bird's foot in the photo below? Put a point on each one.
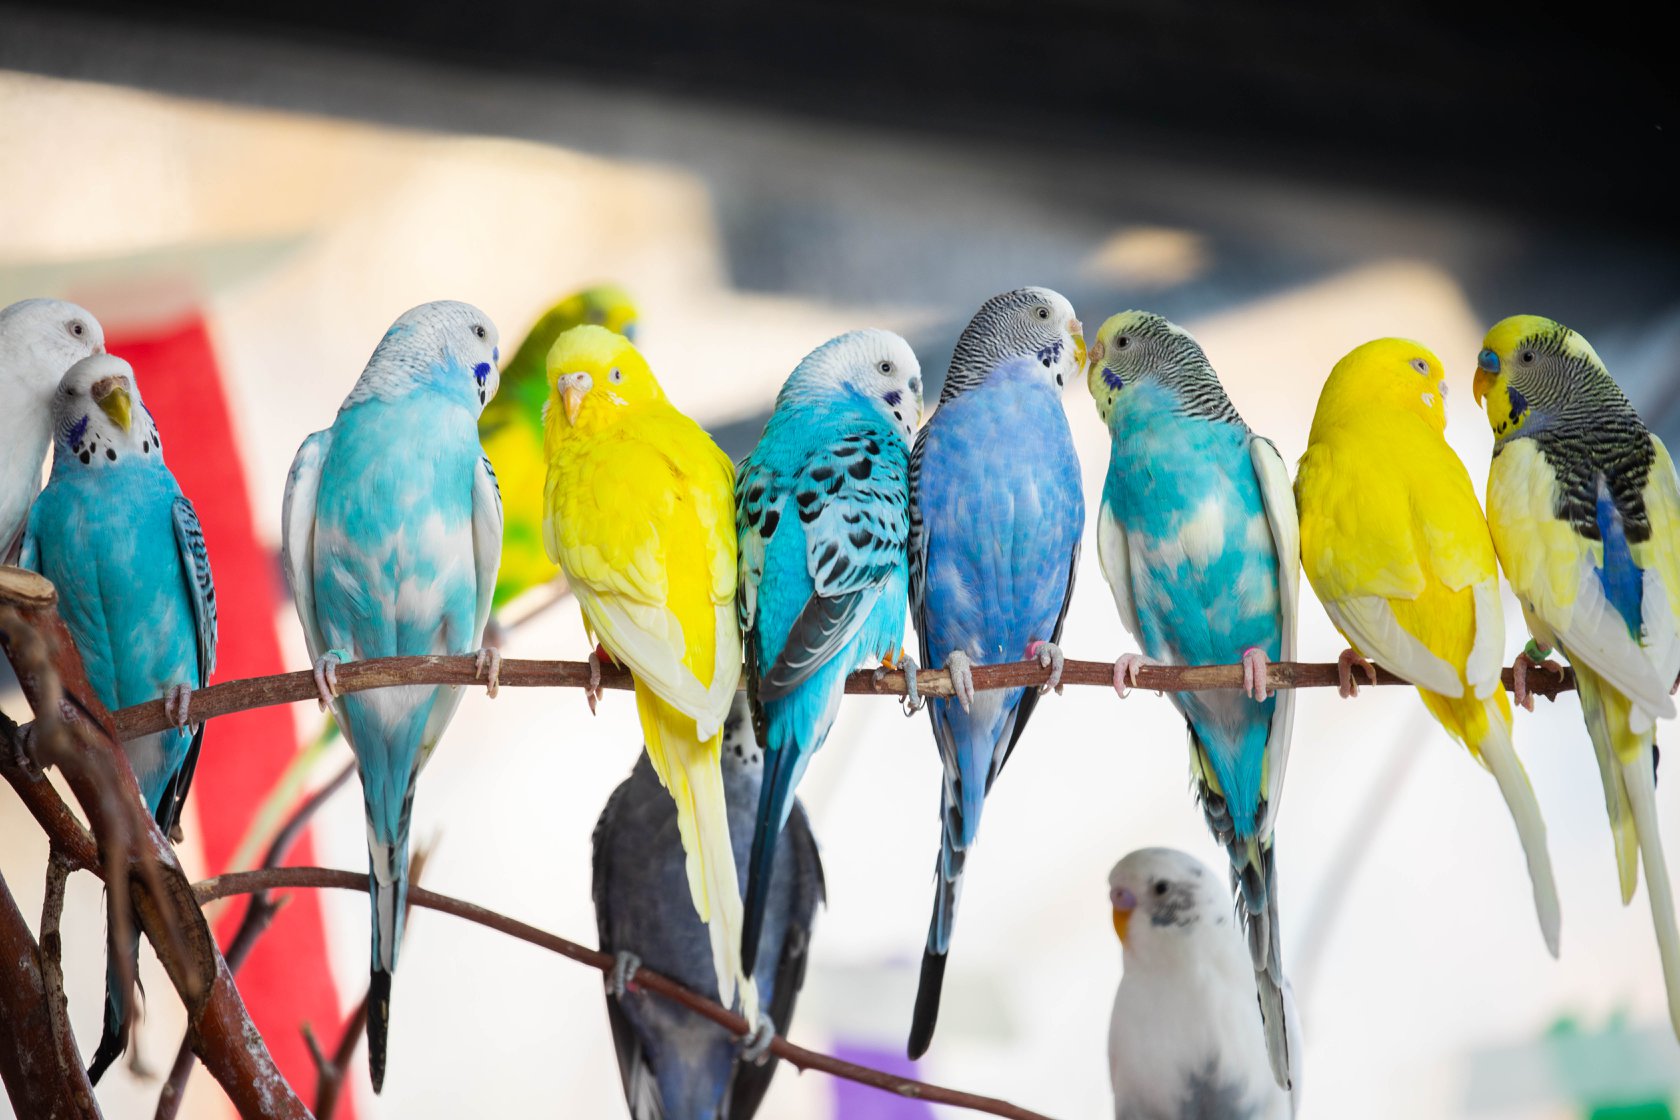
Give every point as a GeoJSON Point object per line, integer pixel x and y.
{"type": "Point", "coordinates": [592, 691]}
{"type": "Point", "coordinates": [326, 676]}
{"type": "Point", "coordinates": [624, 967]}
{"type": "Point", "coordinates": [1345, 665]}
{"type": "Point", "coordinates": [489, 666]}
{"type": "Point", "coordinates": [1126, 668]}
{"type": "Point", "coordinates": [962, 677]}
{"type": "Point", "coordinates": [755, 1048]}
{"type": "Point", "coordinates": [1049, 656]}
{"type": "Point", "coordinates": [1521, 667]}
{"type": "Point", "coordinates": [177, 703]}
{"type": "Point", "coordinates": [913, 701]}
{"type": "Point", "coordinates": [1255, 667]}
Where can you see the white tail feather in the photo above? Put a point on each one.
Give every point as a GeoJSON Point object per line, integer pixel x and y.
{"type": "Point", "coordinates": [1640, 775]}
{"type": "Point", "coordinates": [1501, 758]}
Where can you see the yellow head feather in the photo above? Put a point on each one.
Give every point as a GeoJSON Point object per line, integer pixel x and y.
{"type": "Point", "coordinates": [594, 377]}
{"type": "Point", "coordinates": [1513, 344]}
{"type": "Point", "coordinates": [1385, 376]}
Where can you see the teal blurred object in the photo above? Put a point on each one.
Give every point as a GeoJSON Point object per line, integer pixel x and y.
{"type": "Point", "coordinates": [1616, 1073]}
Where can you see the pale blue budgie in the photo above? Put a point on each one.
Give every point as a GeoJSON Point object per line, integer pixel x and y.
{"type": "Point", "coordinates": [822, 507]}
{"type": "Point", "coordinates": [1199, 541]}
{"type": "Point", "coordinates": [996, 515]}
{"type": "Point", "coordinates": [676, 1065]}
{"type": "Point", "coordinates": [392, 534]}
{"type": "Point", "coordinates": [123, 546]}
{"type": "Point", "coordinates": [39, 340]}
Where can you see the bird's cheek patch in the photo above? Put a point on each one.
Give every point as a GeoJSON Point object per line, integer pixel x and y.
{"type": "Point", "coordinates": [1428, 400]}
{"type": "Point", "coordinates": [616, 399]}
{"type": "Point", "coordinates": [1112, 379]}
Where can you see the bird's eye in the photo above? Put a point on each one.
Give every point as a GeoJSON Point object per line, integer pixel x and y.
{"type": "Point", "coordinates": [885, 367]}
{"type": "Point", "coordinates": [1160, 886]}
{"type": "Point", "coordinates": [1526, 357]}
{"type": "Point", "coordinates": [478, 329]}
{"type": "Point", "coordinates": [1421, 366]}
{"type": "Point", "coordinates": [1122, 341]}
{"type": "Point", "coordinates": [76, 328]}
{"type": "Point", "coordinates": [1043, 313]}
{"type": "Point", "coordinates": [616, 376]}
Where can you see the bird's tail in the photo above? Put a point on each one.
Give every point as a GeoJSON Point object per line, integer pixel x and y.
{"type": "Point", "coordinates": [783, 767]}
{"type": "Point", "coordinates": [1640, 778]}
{"type": "Point", "coordinates": [1254, 882]}
{"type": "Point", "coordinates": [947, 888]}
{"type": "Point", "coordinates": [113, 1039]}
{"type": "Point", "coordinates": [388, 893]}
{"type": "Point", "coordinates": [1606, 715]}
{"type": "Point", "coordinates": [1499, 754]}
{"type": "Point", "coordinates": [691, 771]}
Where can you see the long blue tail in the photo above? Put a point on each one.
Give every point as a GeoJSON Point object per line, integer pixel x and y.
{"type": "Point", "coordinates": [388, 895]}
{"type": "Point", "coordinates": [782, 770]}
{"type": "Point", "coordinates": [947, 889]}
{"type": "Point", "coordinates": [113, 1040]}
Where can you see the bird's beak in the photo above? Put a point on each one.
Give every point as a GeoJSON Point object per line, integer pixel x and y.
{"type": "Point", "coordinates": [1482, 384]}
{"type": "Point", "coordinates": [1125, 902]}
{"type": "Point", "coordinates": [573, 387]}
{"type": "Point", "coordinates": [112, 397]}
{"type": "Point", "coordinates": [1078, 332]}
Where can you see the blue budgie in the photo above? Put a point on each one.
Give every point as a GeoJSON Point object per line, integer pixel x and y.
{"type": "Point", "coordinates": [996, 515]}
{"type": "Point", "coordinates": [822, 506]}
{"type": "Point", "coordinates": [675, 1064]}
{"type": "Point", "coordinates": [1199, 540]}
{"type": "Point", "coordinates": [39, 340]}
{"type": "Point", "coordinates": [124, 548]}
{"type": "Point", "coordinates": [392, 536]}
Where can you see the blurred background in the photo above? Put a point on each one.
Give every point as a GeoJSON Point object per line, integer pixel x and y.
{"type": "Point", "coordinates": [247, 200]}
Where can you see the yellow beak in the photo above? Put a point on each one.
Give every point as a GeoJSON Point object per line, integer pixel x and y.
{"type": "Point", "coordinates": [573, 387]}
{"type": "Point", "coordinates": [1122, 923]}
{"type": "Point", "coordinates": [1482, 384]}
{"type": "Point", "coordinates": [1078, 332]}
{"type": "Point", "coordinates": [112, 397]}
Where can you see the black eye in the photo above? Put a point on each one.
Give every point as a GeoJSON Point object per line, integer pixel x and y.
{"type": "Point", "coordinates": [1044, 313]}
{"type": "Point", "coordinates": [1526, 357]}
{"type": "Point", "coordinates": [616, 375]}
{"type": "Point", "coordinates": [478, 330]}
{"type": "Point", "coordinates": [76, 328]}
{"type": "Point", "coordinates": [885, 367]}
{"type": "Point", "coordinates": [1122, 341]}
{"type": "Point", "coordinates": [1421, 366]}
{"type": "Point", "coordinates": [1160, 886]}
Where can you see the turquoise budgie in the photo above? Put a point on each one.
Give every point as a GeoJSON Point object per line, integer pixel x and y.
{"type": "Point", "coordinates": [822, 508]}
{"type": "Point", "coordinates": [996, 516]}
{"type": "Point", "coordinates": [123, 546]}
{"type": "Point", "coordinates": [392, 534]}
{"type": "Point", "coordinates": [39, 340]}
{"type": "Point", "coordinates": [1199, 541]}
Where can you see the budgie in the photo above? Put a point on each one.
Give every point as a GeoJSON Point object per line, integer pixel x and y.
{"type": "Point", "coordinates": [512, 431]}
{"type": "Point", "coordinates": [1198, 538]}
{"type": "Point", "coordinates": [123, 546]}
{"type": "Point", "coordinates": [1585, 513]}
{"type": "Point", "coordinates": [674, 1063]}
{"type": "Point", "coordinates": [996, 515]}
{"type": "Point", "coordinates": [639, 512]}
{"type": "Point", "coordinates": [822, 512]}
{"type": "Point", "coordinates": [1184, 1041]}
{"type": "Point", "coordinates": [1395, 546]}
{"type": "Point", "coordinates": [392, 530]}
{"type": "Point", "coordinates": [39, 340]}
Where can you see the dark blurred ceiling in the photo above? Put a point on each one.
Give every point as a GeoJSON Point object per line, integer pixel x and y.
{"type": "Point", "coordinates": [1568, 122]}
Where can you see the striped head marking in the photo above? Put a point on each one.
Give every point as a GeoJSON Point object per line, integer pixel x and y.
{"type": "Point", "coordinates": [1533, 370]}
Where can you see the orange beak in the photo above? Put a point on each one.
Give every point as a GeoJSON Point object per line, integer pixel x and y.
{"type": "Point", "coordinates": [1078, 333]}
{"type": "Point", "coordinates": [573, 387]}
{"type": "Point", "coordinates": [1483, 382]}
{"type": "Point", "coordinates": [1125, 904]}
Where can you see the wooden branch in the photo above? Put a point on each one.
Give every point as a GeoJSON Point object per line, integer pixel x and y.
{"type": "Point", "coordinates": [243, 882]}
{"type": "Point", "coordinates": [40, 1066]}
{"type": "Point", "coordinates": [384, 672]}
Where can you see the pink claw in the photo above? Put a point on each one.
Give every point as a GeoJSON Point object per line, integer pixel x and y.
{"type": "Point", "coordinates": [1255, 665]}
{"type": "Point", "coordinates": [1345, 664]}
{"type": "Point", "coordinates": [1126, 672]}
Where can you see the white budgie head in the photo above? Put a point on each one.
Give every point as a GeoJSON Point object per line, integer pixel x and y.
{"type": "Point", "coordinates": [875, 365]}
{"type": "Point", "coordinates": [1027, 323]}
{"type": "Point", "coordinates": [1169, 907]}
{"type": "Point", "coordinates": [444, 347]}
{"type": "Point", "coordinates": [39, 340]}
{"type": "Point", "coordinates": [99, 420]}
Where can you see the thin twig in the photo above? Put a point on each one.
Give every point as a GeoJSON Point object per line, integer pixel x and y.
{"type": "Point", "coordinates": [385, 672]}
{"type": "Point", "coordinates": [242, 882]}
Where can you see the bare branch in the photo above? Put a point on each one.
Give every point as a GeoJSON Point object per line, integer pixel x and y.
{"type": "Point", "coordinates": [244, 882]}
{"type": "Point", "coordinates": [39, 1064]}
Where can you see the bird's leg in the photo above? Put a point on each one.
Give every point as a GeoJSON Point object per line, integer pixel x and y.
{"type": "Point", "coordinates": [592, 691]}
{"type": "Point", "coordinates": [1345, 665]}
{"type": "Point", "coordinates": [489, 665]}
{"type": "Point", "coordinates": [326, 675]}
{"type": "Point", "coordinates": [1532, 656]}
{"type": "Point", "coordinates": [177, 702]}
{"type": "Point", "coordinates": [1126, 668]}
{"type": "Point", "coordinates": [905, 664]}
{"type": "Point", "coordinates": [755, 1048]}
{"type": "Point", "coordinates": [1049, 656]}
{"type": "Point", "coordinates": [962, 677]}
{"type": "Point", "coordinates": [1255, 665]}
{"type": "Point", "coordinates": [625, 964]}
{"type": "Point", "coordinates": [495, 634]}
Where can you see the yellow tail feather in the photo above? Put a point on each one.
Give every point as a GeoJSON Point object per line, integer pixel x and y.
{"type": "Point", "coordinates": [1499, 755]}
{"type": "Point", "coordinates": [691, 771]}
{"type": "Point", "coordinates": [1640, 781]}
{"type": "Point", "coordinates": [1614, 743]}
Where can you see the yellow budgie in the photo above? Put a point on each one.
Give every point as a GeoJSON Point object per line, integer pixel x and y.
{"type": "Point", "coordinates": [511, 430]}
{"type": "Point", "coordinates": [1585, 512]}
{"type": "Point", "coordinates": [639, 512]}
{"type": "Point", "coordinates": [1395, 546]}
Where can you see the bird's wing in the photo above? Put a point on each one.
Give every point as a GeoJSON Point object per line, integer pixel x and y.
{"type": "Point", "coordinates": [1114, 556]}
{"type": "Point", "coordinates": [758, 514]}
{"type": "Point", "coordinates": [487, 541]}
{"type": "Point", "coordinates": [297, 536]}
{"type": "Point", "coordinates": [1559, 575]}
{"type": "Point", "coordinates": [1030, 696]}
{"type": "Point", "coordinates": [1370, 623]}
{"type": "Point", "coordinates": [854, 503]}
{"type": "Point", "coordinates": [916, 546]}
{"type": "Point", "coordinates": [200, 588]}
{"type": "Point", "coordinates": [1277, 495]}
